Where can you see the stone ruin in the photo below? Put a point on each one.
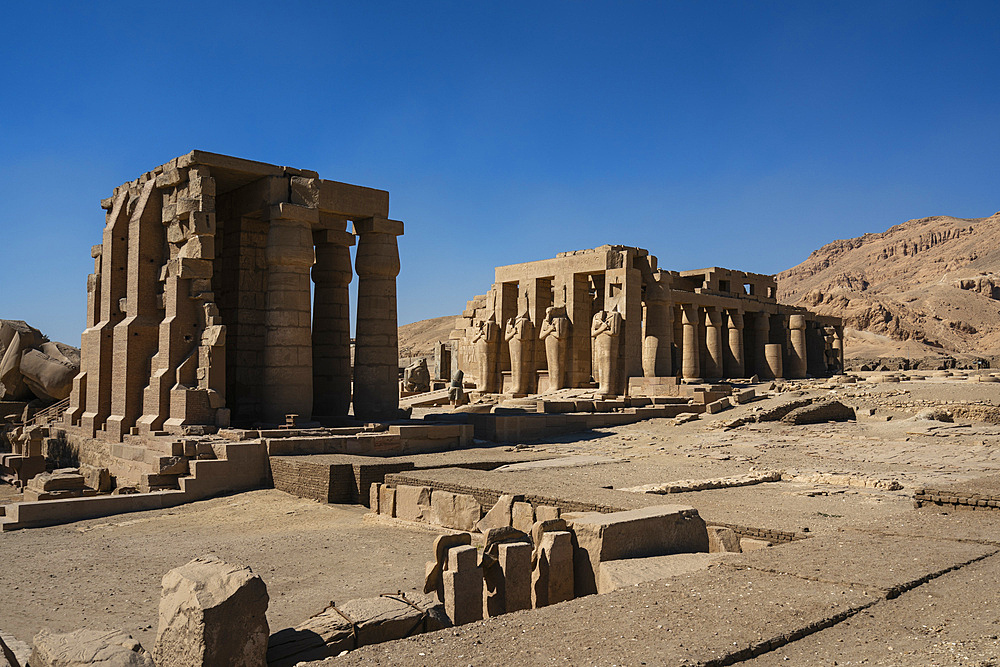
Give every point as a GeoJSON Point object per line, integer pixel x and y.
{"type": "Point", "coordinates": [32, 367]}
{"type": "Point", "coordinates": [199, 311]}
{"type": "Point", "coordinates": [611, 316]}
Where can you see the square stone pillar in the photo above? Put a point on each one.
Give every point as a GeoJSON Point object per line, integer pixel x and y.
{"type": "Point", "coordinates": [623, 289]}
{"type": "Point", "coordinates": [78, 395]}
{"type": "Point", "coordinates": [135, 337]}
{"type": "Point", "coordinates": [576, 288]}
{"type": "Point", "coordinates": [98, 346]}
{"type": "Point", "coordinates": [376, 346]}
{"type": "Point", "coordinates": [331, 324]}
{"type": "Point", "coordinates": [287, 374]}
{"type": "Point", "coordinates": [506, 308]}
{"type": "Point", "coordinates": [463, 586]}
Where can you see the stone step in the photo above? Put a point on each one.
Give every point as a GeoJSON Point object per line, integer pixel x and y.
{"type": "Point", "coordinates": [150, 482]}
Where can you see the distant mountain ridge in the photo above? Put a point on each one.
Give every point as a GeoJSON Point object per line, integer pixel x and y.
{"type": "Point", "coordinates": [933, 281]}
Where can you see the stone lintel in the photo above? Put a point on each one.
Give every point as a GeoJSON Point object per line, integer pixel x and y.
{"type": "Point", "coordinates": [333, 236]}
{"type": "Point", "coordinates": [378, 225]}
{"type": "Point", "coordinates": [230, 163]}
{"type": "Point", "coordinates": [286, 211]}
{"type": "Point", "coordinates": [353, 201]}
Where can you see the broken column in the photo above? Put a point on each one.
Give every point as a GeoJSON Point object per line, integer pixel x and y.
{"type": "Point", "coordinates": [287, 374]}
{"type": "Point", "coordinates": [734, 360]}
{"type": "Point", "coordinates": [331, 333]}
{"type": "Point", "coordinates": [463, 586]}
{"type": "Point", "coordinates": [376, 351]}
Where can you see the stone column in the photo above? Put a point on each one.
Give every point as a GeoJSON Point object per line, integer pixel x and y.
{"type": "Point", "coordinates": [135, 337]}
{"type": "Point", "coordinates": [838, 347]}
{"type": "Point", "coordinates": [658, 332]}
{"type": "Point", "coordinates": [96, 355]}
{"type": "Point", "coordinates": [735, 367]}
{"type": "Point", "coordinates": [287, 374]}
{"type": "Point", "coordinates": [691, 366]}
{"type": "Point", "coordinates": [773, 353]}
{"type": "Point", "coordinates": [376, 347]}
{"type": "Point", "coordinates": [331, 324]}
{"type": "Point", "coordinates": [762, 336]}
{"type": "Point", "coordinates": [713, 342]}
{"type": "Point", "coordinates": [798, 354]}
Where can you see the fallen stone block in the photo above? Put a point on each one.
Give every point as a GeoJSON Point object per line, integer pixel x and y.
{"type": "Point", "coordinates": [751, 544]}
{"type": "Point", "coordinates": [96, 478]}
{"type": "Point", "coordinates": [547, 512]}
{"type": "Point", "coordinates": [355, 623]}
{"type": "Point", "coordinates": [819, 412]}
{"type": "Point", "coordinates": [63, 479]}
{"type": "Point", "coordinates": [114, 648]}
{"type": "Point", "coordinates": [652, 531]}
{"type": "Point", "coordinates": [723, 540]}
{"type": "Point", "coordinates": [212, 614]}
{"type": "Point", "coordinates": [499, 515]}
{"type": "Point", "coordinates": [523, 517]}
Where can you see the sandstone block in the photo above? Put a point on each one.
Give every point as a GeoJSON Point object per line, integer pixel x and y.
{"type": "Point", "coordinates": [552, 576]}
{"type": "Point", "coordinates": [387, 501]}
{"type": "Point", "coordinates": [523, 517]}
{"type": "Point", "coordinates": [499, 515]}
{"type": "Point", "coordinates": [617, 574]}
{"type": "Point", "coordinates": [114, 648]}
{"type": "Point", "coordinates": [413, 503]}
{"type": "Point", "coordinates": [651, 531]}
{"type": "Point", "coordinates": [547, 512]}
{"type": "Point", "coordinates": [515, 562]}
{"type": "Point", "coordinates": [374, 492]}
{"type": "Point", "coordinates": [455, 510]}
{"type": "Point", "coordinates": [822, 411]}
{"type": "Point", "coordinates": [463, 586]}
{"type": "Point", "coordinates": [212, 614]}
{"type": "Point", "coordinates": [750, 544]}
{"type": "Point", "coordinates": [96, 478]}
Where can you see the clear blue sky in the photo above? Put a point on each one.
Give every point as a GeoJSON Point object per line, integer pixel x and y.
{"type": "Point", "coordinates": [740, 134]}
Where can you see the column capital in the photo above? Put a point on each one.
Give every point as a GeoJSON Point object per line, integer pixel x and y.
{"type": "Point", "coordinates": [378, 226]}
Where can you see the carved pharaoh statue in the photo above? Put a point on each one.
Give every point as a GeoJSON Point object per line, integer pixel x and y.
{"type": "Point", "coordinates": [554, 330]}
{"type": "Point", "coordinates": [518, 334]}
{"type": "Point", "coordinates": [606, 329]}
{"type": "Point", "coordinates": [486, 345]}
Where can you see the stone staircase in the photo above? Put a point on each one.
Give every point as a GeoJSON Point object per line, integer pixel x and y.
{"type": "Point", "coordinates": [235, 466]}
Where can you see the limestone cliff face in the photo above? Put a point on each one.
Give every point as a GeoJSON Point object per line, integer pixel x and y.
{"type": "Point", "coordinates": [933, 281]}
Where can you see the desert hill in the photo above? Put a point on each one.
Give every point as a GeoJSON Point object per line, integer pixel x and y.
{"type": "Point", "coordinates": [925, 285]}
{"type": "Point", "coordinates": [418, 338]}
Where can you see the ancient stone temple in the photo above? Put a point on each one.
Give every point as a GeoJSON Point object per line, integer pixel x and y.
{"type": "Point", "coordinates": [610, 315]}
{"type": "Point", "coordinates": [220, 295]}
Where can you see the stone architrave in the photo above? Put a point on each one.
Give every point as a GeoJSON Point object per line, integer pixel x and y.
{"type": "Point", "coordinates": [606, 329]}
{"type": "Point", "coordinates": [486, 347]}
{"type": "Point", "coordinates": [212, 614]}
{"type": "Point", "coordinates": [518, 335]}
{"type": "Point", "coordinates": [554, 331]}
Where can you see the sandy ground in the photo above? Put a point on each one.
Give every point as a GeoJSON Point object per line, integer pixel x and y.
{"type": "Point", "coordinates": [105, 573]}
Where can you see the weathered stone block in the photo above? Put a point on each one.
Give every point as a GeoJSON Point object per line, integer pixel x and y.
{"type": "Point", "coordinates": [651, 531]}
{"type": "Point", "coordinates": [455, 510]}
{"type": "Point", "coordinates": [413, 503]}
{"type": "Point", "coordinates": [114, 648]}
{"type": "Point", "coordinates": [387, 501]}
{"type": "Point", "coordinates": [552, 576]}
{"type": "Point", "coordinates": [212, 614]}
{"type": "Point", "coordinates": [523, 517]}
{"type": "Point", "coordinates": [723, 540]}
{"type": "Point", "coordinates": [463, 586]}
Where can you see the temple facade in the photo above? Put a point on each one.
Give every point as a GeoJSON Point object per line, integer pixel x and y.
{"type": "Point", "coordinates": [220, 295]}
{"type": "Point", "coordinates": [609, 314]}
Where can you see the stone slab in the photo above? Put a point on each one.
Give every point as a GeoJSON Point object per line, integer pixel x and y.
{"type": "Point", "coordinates": [885, 565]}
{"type": "Point", "coordinates": [693, 619]}
{"type": "Point", "coordinates": [617, 574]}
